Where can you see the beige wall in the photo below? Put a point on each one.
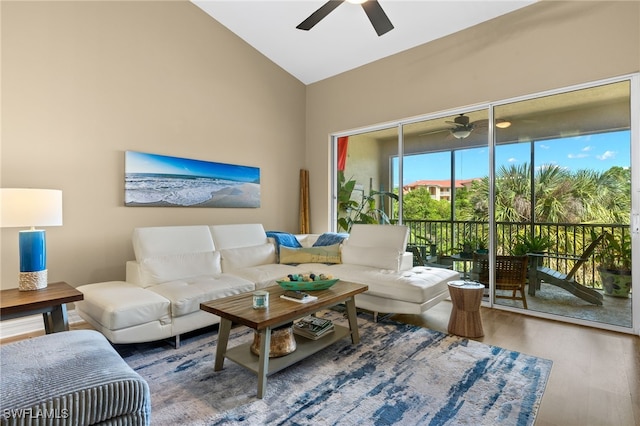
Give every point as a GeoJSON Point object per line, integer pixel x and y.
{"type": "Point", "coordinates": [82, 82]}
{"type": "Point", "coordinates": [545, 46]}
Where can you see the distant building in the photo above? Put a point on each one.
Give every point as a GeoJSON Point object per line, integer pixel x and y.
{"type": "Point", "coordinates": [439, 189]}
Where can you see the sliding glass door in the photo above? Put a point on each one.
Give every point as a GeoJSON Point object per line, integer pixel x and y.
{"type": "Point", "coordinates": [563, 182]}
{"type": "Point", "coordinates": [541, 182]}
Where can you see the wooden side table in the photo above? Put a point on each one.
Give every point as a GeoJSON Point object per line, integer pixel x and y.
{"type": "Point", "coordinates": [49, 301]}
{"type": "Point", "coordinates": [466, 298]}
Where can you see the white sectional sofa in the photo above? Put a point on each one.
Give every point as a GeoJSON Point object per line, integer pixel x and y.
{"type": "Point", "coordinates": [179, 267]}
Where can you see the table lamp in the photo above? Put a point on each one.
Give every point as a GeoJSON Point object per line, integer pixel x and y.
{"type": "Point", "coordinates": [23, 207]}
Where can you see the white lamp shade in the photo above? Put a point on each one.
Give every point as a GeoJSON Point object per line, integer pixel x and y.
{"type": "Point", "coordinates": [26, 207]}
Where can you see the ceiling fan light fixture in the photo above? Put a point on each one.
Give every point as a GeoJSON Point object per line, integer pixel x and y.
{"type": "Point", "coordinates": [502, 124]}
{"type": "Point", "coordinates": [356, 1]}
{"type": "Point", "coordinates": [461, 133]}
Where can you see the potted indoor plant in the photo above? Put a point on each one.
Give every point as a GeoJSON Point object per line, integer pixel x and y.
{"type": "Point", "coordinates": [614, 258]}
{"type": "Point", "coordinates": [361, 208]}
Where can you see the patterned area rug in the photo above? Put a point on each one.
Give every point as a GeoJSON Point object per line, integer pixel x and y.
{"type": "Point", "coordinates": [398, 374]}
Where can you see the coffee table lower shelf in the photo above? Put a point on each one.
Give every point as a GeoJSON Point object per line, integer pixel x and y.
{"type": "Point", "coordinates": [241, 354]}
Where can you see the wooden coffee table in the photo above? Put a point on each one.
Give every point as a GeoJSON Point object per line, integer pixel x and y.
{"type": "Point", "coordinates": [239, 309]}
{"type": "Point", "coordinates": [49, 301]}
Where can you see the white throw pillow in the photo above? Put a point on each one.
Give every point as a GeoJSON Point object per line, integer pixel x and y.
{"type": "Point", "coordinates": [375, 257]}
{"type": "Point", "coordinates": [244, 257]}
{"type": "Point", "coordinates": [160, 269]}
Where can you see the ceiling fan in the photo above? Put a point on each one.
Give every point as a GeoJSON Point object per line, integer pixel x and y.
{"type": "Point", "coordinates": [372, 8]}
{"type": "Point", "coordinates": [462, 127]}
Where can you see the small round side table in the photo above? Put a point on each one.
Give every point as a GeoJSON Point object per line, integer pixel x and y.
{"type": "Point", "coordinates": [466, 298]}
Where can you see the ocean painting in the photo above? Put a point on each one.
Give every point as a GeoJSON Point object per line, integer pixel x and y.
{"type": "Point", "coordinates": [153, 180]}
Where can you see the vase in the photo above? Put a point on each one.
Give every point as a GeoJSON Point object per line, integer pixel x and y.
{"type": "Point", "coordinates": [282, 342]}
{"type": "Point", "coordinates": [615, 283]}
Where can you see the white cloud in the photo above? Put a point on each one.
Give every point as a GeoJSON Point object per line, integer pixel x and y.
{"type": "Point", "coordinates": [577, 156]}
{"type": "Point", "coordinates": [587, 148]}
{"type": "Point", "coordinates": [607, 155]}
{"type": "Point", "coordinates": [543, 146]}
{"type": "Point", "coordinates": [512, 160]}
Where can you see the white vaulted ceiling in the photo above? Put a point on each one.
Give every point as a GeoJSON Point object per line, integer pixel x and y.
{"type": "Point", "coordinates": [345, 39]}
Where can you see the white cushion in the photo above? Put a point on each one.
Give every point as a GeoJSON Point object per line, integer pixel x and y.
{"type": "Point", "coordinates": [417, 285]}
{"type": "Point", "coordinates": [240, 235]}
{"type": "Point", "coordinates": [375, 257]}
{"type": "Point", "coordinates": [393, 236]}
{"type": "Point", "coordinates": [166, 240]}
{"type": "Point", "coordinates": [186, 295]}
{"type": "Point", "coordinates": [161, 269]}
{"type": "Point", "coordinates": [266, 275]}
{"type": "Point", "coordinates": [244, 257]}
{"type": "Point", "coordinates": [117, 305]}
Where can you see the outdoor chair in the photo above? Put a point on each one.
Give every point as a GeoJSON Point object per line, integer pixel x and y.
{"type": "Point", "coordinates": [566, 281]}
{"type": "Point", "coordinates": [510, 275]}
{"type": "Point", "coordinates": [419, 259]}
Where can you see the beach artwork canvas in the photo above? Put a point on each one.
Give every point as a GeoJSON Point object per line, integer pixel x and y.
{"type": "Point", "coordinates": [153, 180]}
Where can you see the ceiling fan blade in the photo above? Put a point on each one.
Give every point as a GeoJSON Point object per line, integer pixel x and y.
{"type": "Point", "coordinates": [433, 132]}
{"type": "Point", "coordinates": [319, 14]}
{"type": "Point", "coordinates": [378, 18]}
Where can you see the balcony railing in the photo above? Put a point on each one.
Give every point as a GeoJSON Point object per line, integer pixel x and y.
{"type": "Point", "coordinates": [569, 239]}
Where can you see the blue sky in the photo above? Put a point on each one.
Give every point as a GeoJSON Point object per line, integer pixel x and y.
{"type": "Point", "coordinates": [140, 162]}
{"type": "Point", "coordinates": [595, 152]}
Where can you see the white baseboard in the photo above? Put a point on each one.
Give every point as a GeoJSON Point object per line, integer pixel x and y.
{"type": "Point", "coordinates": [30, 324]}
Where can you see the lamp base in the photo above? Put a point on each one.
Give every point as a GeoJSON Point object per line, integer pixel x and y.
{"type": "Point", "coordinates": [32, 280]}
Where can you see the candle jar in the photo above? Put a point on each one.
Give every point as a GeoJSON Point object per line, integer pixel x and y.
{"type": "Point", "coordinates": [260, 299]}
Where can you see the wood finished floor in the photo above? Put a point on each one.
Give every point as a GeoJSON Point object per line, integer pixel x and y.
{"type": "Point", "coordinates": [595, 379]}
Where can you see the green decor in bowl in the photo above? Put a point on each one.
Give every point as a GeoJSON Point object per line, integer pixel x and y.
{"type": "Point", "coordinates": [307, 285]}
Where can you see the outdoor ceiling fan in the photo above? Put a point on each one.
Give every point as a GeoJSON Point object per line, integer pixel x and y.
{"type": "Point", "coordinates": [463, 127]}
{"type": "Point", "coordinates": [372, 8]}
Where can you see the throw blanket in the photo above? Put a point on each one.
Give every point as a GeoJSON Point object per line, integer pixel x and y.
{"type": "Point", "coordinates": [284, 239]}
{"type": "Point", "coordinates": [329, 239]}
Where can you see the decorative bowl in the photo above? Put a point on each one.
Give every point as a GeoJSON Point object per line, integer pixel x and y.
{"type": "Point", "coordinates": [307, 285]}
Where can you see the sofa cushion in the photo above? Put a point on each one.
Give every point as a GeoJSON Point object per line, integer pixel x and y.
{"type": "Point", "coordinates": [392, 236]}
{"type": "Point", "coordinates": [375, 257]}
{"type": "Point", "coordinates": [186, 295]}
{"type": "Point", "coordinates": [240, 235]}
{"type": "Point", "coordinates": [265, 275]}
{"type": "Point", "coordinates": [244, 257]}
{"type": "Point", "coordinates": [166, 240]}
{"type": "Point", "coordinates": [117, 304]}
{"type": "Point", "coordinates": [171, 267]}
{"type": "Point", "coordinates": [324, 254]}
{"type": "Point", "coordinates": [417, 285]}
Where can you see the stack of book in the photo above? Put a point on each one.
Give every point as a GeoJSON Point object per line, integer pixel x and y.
{"type": "Point", "coordinates": [312, 327]}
